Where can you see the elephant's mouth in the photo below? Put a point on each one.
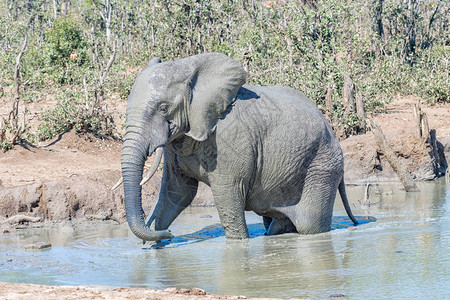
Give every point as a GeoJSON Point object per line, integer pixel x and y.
{"type": "Point", "coordinates": [175, 131]}
{"type": "Point", "coordinates": [172, 128]}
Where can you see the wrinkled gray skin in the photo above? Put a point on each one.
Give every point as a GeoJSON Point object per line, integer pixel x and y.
{"type": "Point", "coordinates": [264, 149]}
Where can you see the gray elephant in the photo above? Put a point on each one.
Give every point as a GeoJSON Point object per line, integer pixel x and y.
{"type": "Point", "coordinates": [262, 149]}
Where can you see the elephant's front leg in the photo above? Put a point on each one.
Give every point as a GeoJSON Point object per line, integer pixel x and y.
{"type": "Point", "coordinates": [230, 203]}
{"type": "Point", "coordinates": [176, 193]}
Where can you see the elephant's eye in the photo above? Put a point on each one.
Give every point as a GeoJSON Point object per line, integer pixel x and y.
{"type": "Point", "coordinates": [163, 108]}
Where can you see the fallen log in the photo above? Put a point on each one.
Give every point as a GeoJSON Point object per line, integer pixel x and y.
{"type": "Point", "coordinates": [403, 174]}
{"type": "Point", "coordinates": [20, 219]}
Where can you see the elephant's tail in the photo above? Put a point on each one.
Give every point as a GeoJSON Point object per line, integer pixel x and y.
{"type": "Point", "coordinates": [344, 198]}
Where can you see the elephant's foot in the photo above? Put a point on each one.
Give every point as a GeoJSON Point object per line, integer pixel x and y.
{"type": "Point", "coordinates": [232, 233]}
{"type": "Point", "coordinates": [230, 206]}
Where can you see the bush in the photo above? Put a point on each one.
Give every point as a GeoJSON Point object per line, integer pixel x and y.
{"type": "Point", "coordinates": [65, 42]}
{"type": "Point", "coordinates": [73, 112]}
{"type": "Point", "coordinates": [65, 49]}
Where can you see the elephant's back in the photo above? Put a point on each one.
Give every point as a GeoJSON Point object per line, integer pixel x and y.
{"type": "Point", "coordinates": [293, 139]}
{"type": "Point", "coordinates": [280, 108]}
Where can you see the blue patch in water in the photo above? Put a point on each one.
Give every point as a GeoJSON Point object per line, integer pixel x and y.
{"type": "Point", "coordinates": [254, 230]}
{"type": "Point", "coordinates": [341, 222]}
{"type": "Point", "coordinates": [207, 233]}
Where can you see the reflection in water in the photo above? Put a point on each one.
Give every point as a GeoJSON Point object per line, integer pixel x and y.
{"type": "Point", "coordinates": [287, 268]}
{"type": "Point", "coordinates": [404, 254]}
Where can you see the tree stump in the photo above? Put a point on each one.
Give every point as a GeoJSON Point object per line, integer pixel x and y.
{"type": "Point", "coordinates": [429, 138]}
{"type": "Point", "coordinates": [328, 101]}
{"type": "Point", "coordinates": [354, 103]}
{"type": "Point", "coordinates": [348, 94]}
{"type": "Point", "coordinates": [360, 108]}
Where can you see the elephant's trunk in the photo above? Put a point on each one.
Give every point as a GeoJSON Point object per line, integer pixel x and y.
{"type": "Point", "coordinates": [135, 150]}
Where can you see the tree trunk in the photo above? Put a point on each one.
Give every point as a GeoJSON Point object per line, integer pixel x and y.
{"type": "Point", "coordinates": [377, 15]}
{"type": "Point", "coordinates": [391, 157]}
{"type": "Point", "coordinates": [14, 114]}
{"type": "Point", "coordinates": [328, 101]}
{"type": "Point", "coordinates": [411, 31]}
{"type": "Point", "coordinates": [55, 9]}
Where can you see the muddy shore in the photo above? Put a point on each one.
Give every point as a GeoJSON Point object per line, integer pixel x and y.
{"type": "Point", "coordinates": [14, 291]}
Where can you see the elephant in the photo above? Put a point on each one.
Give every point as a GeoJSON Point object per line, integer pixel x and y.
{"type": "Point", "coordinates": [266, 149]}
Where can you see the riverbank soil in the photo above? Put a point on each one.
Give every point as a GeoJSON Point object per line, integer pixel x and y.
{"type": "Point", "coordinates": [71, 177]}
{"type": "Point", "coordinates": [364, 162]}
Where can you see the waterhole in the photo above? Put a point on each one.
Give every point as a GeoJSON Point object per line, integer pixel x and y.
{"type": "Point", "coordinates": [404, 254]}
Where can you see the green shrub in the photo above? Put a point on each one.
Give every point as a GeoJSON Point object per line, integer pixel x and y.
{"type": "Point", "coordinates": [72, 112]}
{"type": "Point", "coordinates": [65, 50]}
{"type": "Point", "coordinates": [65, 42]}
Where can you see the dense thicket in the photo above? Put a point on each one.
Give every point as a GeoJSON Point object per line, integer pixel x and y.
{"type": "Point", "coordinates": [80, 52]}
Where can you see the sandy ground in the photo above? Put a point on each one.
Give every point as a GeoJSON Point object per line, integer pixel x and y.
{"type": "Point", "coordinates": [12, 291]}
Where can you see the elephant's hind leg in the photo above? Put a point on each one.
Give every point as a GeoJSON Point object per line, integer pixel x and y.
{"type": "Point", "coordinates": [314, 211]}
{"type": "Point", "coordinates": [266, 222]}
{"type": "Point", "coordinates": [280, 225]}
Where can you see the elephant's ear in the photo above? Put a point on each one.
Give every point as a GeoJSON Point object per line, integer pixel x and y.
{"type": "Point", "coordinates": [215, 83]}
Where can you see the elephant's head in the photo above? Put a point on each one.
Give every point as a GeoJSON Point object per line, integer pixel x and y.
{"type": "Point", "coordinates": [169, 100]}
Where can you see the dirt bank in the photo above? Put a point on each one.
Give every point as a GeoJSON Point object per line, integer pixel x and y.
{"type": "Point", "coordinates": [70, 177]}
{"type": "Point", "coordinates": [364, 163]}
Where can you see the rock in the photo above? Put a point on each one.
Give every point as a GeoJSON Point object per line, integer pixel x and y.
{"type": "Point", "coordinates": [445, 141]}
{"type": "Point", "coordinates": [38, 246]}
{"type": "Point", "coordinates": [184, 291]}
{"type": "Point", "coordinates": [197, 291]}
{"type": "Point", "coordinates": [5, 231]}
{"type": "Point", "coordinates": [205, 217]}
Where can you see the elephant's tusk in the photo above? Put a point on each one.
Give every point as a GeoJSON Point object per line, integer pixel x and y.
{"type": "Point", "coordinates": [156, 161]}
{"type": "Point", "coordinates": [158, 155]}
{"type": "Point", "coordinates": [118, 183]}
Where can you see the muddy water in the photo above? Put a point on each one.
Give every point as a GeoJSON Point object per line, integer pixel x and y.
{"type": "Point", "coordinates": [404, 254]}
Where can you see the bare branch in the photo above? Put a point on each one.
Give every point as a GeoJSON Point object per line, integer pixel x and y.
{"type": "Point", "coordinates": [14, 114]}
{"type": "Point", "coordinates": [108, 66]}
{"type": "Point", "coordinates": [20, 219]}
{"type": "Point", "coordinates": [17, 69]}
{"type": "Point", "coordinates": [99, 9]}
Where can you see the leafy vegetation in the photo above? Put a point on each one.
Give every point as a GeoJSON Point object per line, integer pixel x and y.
{"type": "Point", "coordinates": [81, 52]}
